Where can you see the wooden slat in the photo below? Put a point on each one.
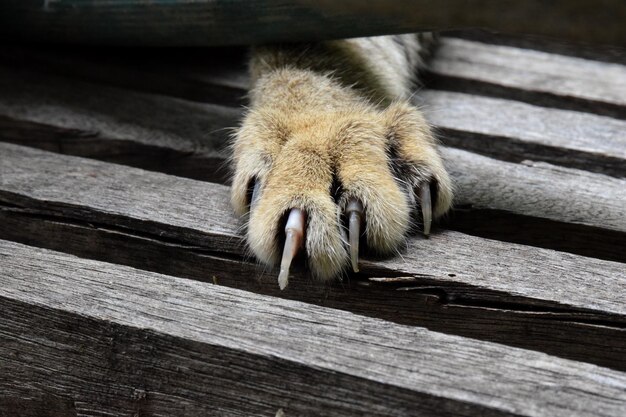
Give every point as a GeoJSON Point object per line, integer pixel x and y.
{"type": "Point", "coordinates": [186, 138]}
{"type": "Point", "coordinates": [555, 80]}
{"type": "Point", "coordinates": [179, 345]}
{"type": "Point", "coordinates": [535, 298]}
{"type": "Point", "coordinates": [516, 131]}
{"type": "Point", "coordinates": [206, 22]}
{"type": "Point", "coordinates": [532, 70]}
{"type": "Point", "coordinates": [504, 129]}
{"type": "Point", "coordinates": [584, 211]}
{"type": "Point", "coordinates": [112, 124]}
{"type": "Point", "coordinates": [458, 64]}
{"type": "Point", "coordinates": [538, 189]}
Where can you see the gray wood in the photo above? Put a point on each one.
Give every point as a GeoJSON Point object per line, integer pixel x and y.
{"type": "Point", "coordinates": [505, 129]}
{"type": "Point", "coordinates": [439, 305]}
{"type": "Point", "coordinates": [181, 345]}
{"type": "Point", "coordinates": [114, 113]}
{"type": "Point", "coordinates": [530, 75]}
{"type": "Point", "coordinates": [538, 189]}
{"type": "Point", "coordinates": [206, 22]}
{"type": "Point", "coordinates": [197, 213]}
{"type": "Point", "coordinates": [133, 353]}
{"type": "Point", "coordinates": [500, 127]}
{"type": "Point", "coordinates": [186, 138]}
{"type": "Point", "coordinates": [532, 70]}
{"type": "Point", "coordinates": [566, 197]}
{"type": "Point", "coordinates": [98, 189]}
{"type": "Point", "coordinates": [605, 53]}
{"type": "Point", "coordinates": [146, 130]}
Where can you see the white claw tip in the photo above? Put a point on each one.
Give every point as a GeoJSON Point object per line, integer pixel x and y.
{"type": "Point", "coordinates": [283, 278]}
{"type": "Point", "coordinates": [294, 238]}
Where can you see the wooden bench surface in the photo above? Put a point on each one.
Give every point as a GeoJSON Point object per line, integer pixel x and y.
{"type": "Point", "coordinates": [125, 286]}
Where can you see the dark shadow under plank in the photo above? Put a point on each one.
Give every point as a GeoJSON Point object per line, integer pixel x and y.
{"type": "Point", "coordinates": [570, 210]}
{"type": "Point", "coordinates": [535, 77]}
{"type": "Point", "coordinates": [456, 283]}
{"type": "Point", "coordinates": [120, 340]}
{"type": "Point", "coordinates": [504, 129]}
{"type": "Point", "coordinates": [514, 131]}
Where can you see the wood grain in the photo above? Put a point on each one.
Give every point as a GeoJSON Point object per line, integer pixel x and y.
{"type": "Point", "coordinates": [529, 75]}
{"type": "Point", "coordinates": [504, 129]}
{"type": "Point", "coordinates": [439, 305]}
{"type": "Point", "coordinates": [539, 204]}
{"type": "Point", "coordinates": [516, 131]}
{"type": "Point", "coordinates": [196, 213]}
{"type": "Point", "coordinates": [78, 319]}
{"type": "Point", "coordinates": [83, 337]}
{"type": "Point", "coordinates": [185, 138]}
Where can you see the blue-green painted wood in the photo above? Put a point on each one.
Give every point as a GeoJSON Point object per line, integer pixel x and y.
{"type": "Point", "coordinates": [231, 22]}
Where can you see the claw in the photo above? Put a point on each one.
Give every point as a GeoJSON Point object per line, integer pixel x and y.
{"type": "Point", "coordinates": [256, 191]}
{"type": "Point", "coordinates": [355, 213]}
{"type": "Point", "coordinates": [427, 210]}
{"type": "Point", "coordinates": [294, 238]}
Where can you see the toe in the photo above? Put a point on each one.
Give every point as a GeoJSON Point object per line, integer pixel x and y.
{"type": "Point", "coordinates": [364, 173]}
{"type": "Point", "coordinates": [300, 178]}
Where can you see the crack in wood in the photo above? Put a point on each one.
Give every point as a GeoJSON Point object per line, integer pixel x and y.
{"type": "Point", "coordinates": [437, 305]}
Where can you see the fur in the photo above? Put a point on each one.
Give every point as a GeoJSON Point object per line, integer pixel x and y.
{"type": "Point", "coordinates": [328, 113]}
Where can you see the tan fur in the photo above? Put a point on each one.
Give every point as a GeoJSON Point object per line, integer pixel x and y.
{"type": "Point", "coordinates": [335, 108]}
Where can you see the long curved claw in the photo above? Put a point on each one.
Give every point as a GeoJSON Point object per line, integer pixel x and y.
{"type": "Point", "coordinates": [427, 209]}
{"type": "Point", "coordinates": [294, 239]}
{"type": "Point", "coordinates": [355, 215]}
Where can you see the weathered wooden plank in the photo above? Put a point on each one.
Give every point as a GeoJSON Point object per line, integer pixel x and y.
{"type": "Point", "coordinates": [100, 190]}
{"type": "Point", "coordinates": [458, 64]}
{"type": "Point", "coordinates": [517, 131]}
{"type": "Point", "coordinates": [198, 213]}
{"type": "Point", "coordinates": [504, 129]}
{"type": "Point", "coordinates": [530, 75]}
{"type": "Point", "coordinates": [138, 129]}
{"type": "Point", "coordinates": [146, 130]}
{"type": "Point", "coordinates": [584, 210]}
{"type": "Point", "coordinates": [68, 321]}
{"type": "Point", "coordinates": [526, 132]}
{"type": "Point", "coordinates": [529, 69]}
{"type": "Point", "coordinates": [206, 22]}
{"type": "Point", "coordinates": [437, 305]}
{"type": "Point", "coordinates": [535, 298]}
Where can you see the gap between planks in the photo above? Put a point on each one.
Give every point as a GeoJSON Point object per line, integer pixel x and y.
{"type": "Point", "coordinates": [479, 68]}
{"type": "Point", "coordinates": [182, 345]}
{"type": "Point", "coordinates": [500, 128]}
{"type": "Point", "coordinates": [559, 303]}
{"type": "Point", "coordinates": [142, 130]}
{"type": "Point", "coordinates": [535, 77]}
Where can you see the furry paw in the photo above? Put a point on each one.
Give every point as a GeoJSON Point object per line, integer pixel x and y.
{"type": "Point", "coordinates": [326, 171]}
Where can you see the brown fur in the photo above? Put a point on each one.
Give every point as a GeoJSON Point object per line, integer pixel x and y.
{"type": "Point", "coordinates": [337, 109]}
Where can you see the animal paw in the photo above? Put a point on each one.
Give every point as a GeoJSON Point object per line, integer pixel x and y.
{"type": "Point", "coordinates": [331, 177]}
